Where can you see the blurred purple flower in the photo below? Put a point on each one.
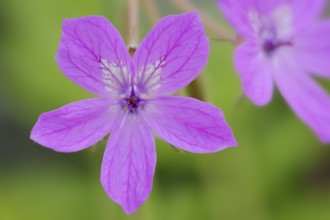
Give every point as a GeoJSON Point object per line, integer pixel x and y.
{"type": "Point", "coordinates": [287, 45]}
{"type": "Point", "coordinates": [134, 100]}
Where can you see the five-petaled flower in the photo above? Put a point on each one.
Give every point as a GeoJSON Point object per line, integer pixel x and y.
{"type": "Point", "coordinates": [134, 100]}
{"type": "Point", "coordinates": [285, 44]}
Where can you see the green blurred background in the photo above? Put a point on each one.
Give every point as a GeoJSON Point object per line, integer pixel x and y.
{"type": "Point", "coordinates": [279, 170]}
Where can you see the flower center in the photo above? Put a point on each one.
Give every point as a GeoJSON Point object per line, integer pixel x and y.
{"type": "Point", "coordinates": [132, 103]}
{"type": "Point", "coordinates": [269, 46]}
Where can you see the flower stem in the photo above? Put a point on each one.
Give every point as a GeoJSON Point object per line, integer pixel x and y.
{"type": "Point", "coordinates": [133, 17]}
{"type": "Point", "coordinates": [239, 101]}
{"type": "Point", "coordinates": [196, 89]}
{"type": "Point", "coordinates": [151, 10]}
{"type": "Point", "coordinates": [214, 27]}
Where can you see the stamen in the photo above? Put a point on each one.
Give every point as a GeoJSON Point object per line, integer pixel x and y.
{"type": "Point", "coordinates": [132, 103]}
{"type": "Point", "coordinates": [270, 46]}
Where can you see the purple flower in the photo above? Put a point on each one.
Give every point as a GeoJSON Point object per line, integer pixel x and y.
{"type": "Point", "coordinates": [134, 100]}
{"type": "Point", "coordinates": [287, 45]}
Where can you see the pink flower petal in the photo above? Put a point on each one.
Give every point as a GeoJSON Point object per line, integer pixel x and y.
{"type": "Point", "coordinates": [172, 55]}
{"type": "Point", "coordinates": [312, 49]}
{"type": "Point", "coordinates": [75, 126]}
{"type": "Point", "coordinates": [189, 124]}
{"type": "Point", "coordinates": [239, 13]}
{"type": "Point", "coordinates": [93, 55]}
{"type": "Point", "coordinates": [129, 164]}
{"type": "Point", "coordinates": [234, 12]}
{"type": "Point", "coordinates": [254, 73]}
{"type": "Point", "coordinates": [307, 11]}
{"type": "Point", "coordinates": [307, 99]}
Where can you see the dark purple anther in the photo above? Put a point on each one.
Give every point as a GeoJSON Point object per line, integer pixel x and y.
{"type": "Point", "coordinates": [269, 46]}
{"type": "Point", "coordinates": [132, 102]}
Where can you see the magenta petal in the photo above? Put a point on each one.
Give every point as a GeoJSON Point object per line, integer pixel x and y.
{"type": "Point", "coordinates": [307, 11]}
{"type": "Point", "coordinates": [308, 100]}
{"type": "Point", "coordinates": [93, 55]}
{"type": "Point", "coordinates": [173, 54]}
{"type": "Point", "coordinates": [312, 49]}
{"type": "Point", "coordinates": [129, 164]}
{"type": "Point", "coordinates": [254, 73]}
{"type": "Point", "coordinates": [190, 124]}
{"type": "Point", "coordinates": [235, 12]}
{"type": "Point", "coordinates": [75, 126]}
{"type": "Point", "coordinates": [238, 12]}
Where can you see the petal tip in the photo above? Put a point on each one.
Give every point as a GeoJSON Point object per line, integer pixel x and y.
{"type": "Point", "coordinates": [230, 143]}
{"type": "Point", "coordinates": [194, 14]}
{"type": "Point", "coordinates": [129, 210]}
{"type": "Point", "coordinates": [35, 132]}
{"type": "Point", "coordinates": [260, 102]}
{"type": "Point", "coordinates": [324, 139]}
{"type": "Point", "coordinates": [233, 142]}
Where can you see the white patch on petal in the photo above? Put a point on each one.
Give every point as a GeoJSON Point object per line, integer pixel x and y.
{"type": "Point", "coordinates": [149, 79]}
{"type": "Point", "coordinates": [273, 29]}
{"type": "Point", "coordinates": [282, 20]}
{"type": "Point", "coordinates": [277, 25]}
{"type": "Point", "coordinates": [255, 21]}
{"type": "Point", "coordinates": [115, 76]}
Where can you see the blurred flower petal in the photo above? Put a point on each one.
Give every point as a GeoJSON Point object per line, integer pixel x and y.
{"type": "Point", "coordinates": [278, 32]}
{"type": "Point", "coordinates": [254, 72]}
{"type": "Point", "coordinates": [307, 11]}
{"type": "Point", "coordinates": [313, 55]}
{"type": "Point", "coordinates": [308, 100]}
